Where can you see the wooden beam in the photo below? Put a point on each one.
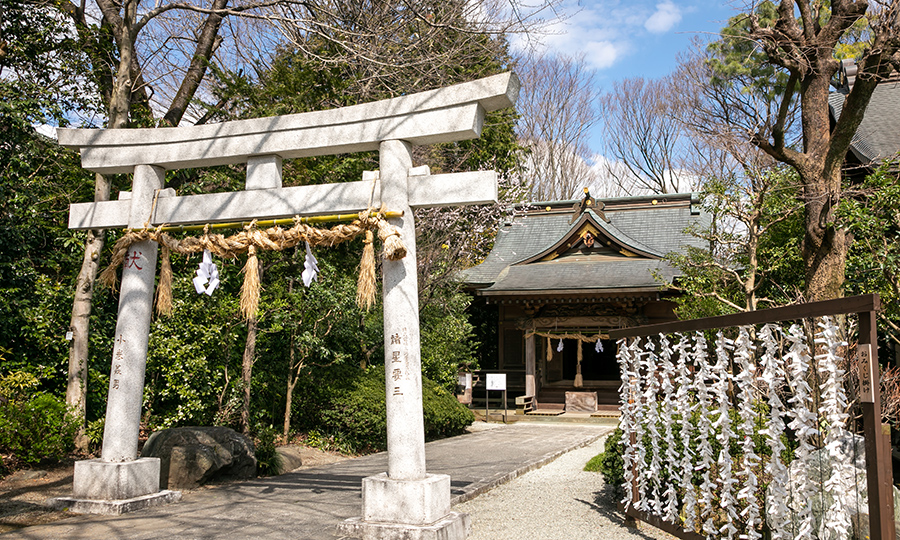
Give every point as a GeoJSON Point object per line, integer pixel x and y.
{"type": "Point", "coordinates": [853, 304]}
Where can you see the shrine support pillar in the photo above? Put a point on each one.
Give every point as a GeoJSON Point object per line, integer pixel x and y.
{"type": "Point", "coordinates": [126, 379]}
{"type": "Point", "coordinates": [530, 383]}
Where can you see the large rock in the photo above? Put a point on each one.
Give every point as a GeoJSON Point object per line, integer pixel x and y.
{"type": "Point", "coordinates": [289, 458]}
{"type": "Point", "coordinates": [192, 456]}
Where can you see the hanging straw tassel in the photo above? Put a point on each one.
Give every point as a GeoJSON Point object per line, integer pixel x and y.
{"type": "Point", "coordinates": [389, 235]}
{"type": "Point", "coordinates": [549, 349]}
{"type": "Point", "coordinates": [579, 380]}
{"type": "Point", "coordinates": [250, 288]}
{"type": "Point", "coordinates": [164, 289]}
{"type": "Point", "coordinates": [365, 286]}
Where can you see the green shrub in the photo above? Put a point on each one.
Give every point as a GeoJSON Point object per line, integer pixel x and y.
{"type": "Point", "coordinates": [593, 464]}
{"type": "Point", "coordinates": [268, 462]}
{"type": "Point", "coordinates": [37, 430]}
{"type": "Point", "coordinates": [610, 463]}
{"type": "Point", "coordinates": [15, 386]}
{"type": "Point", "coordinates": [356, 412]}
{"type": "Point", "coordinates": [94, 432]}
{"type": "Point", "coordinates": [444, 415]}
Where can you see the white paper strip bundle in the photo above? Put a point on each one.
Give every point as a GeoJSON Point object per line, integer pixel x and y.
{"type": "Point", "coordinates": [628, 398]}
{"type": "Point", "coordinates": [310, 268]}
{"type": "Point", "coordinates": [745, 378]}
{"type": "Point", "coordinates": [803, 424]}
{"type": "Point", "coordinates": [651, 417]}
{"type": "Point", "coordinates": [722, 378]}
{"type": "Point", "coordinates": [840, 485]}
{"type": "Point", "coordinates": [773, 375]}
{"type": "Point", "coordinates": [667, 368]}
{"type": "Point", "coordinates": [640, 422]}
{"type": "Point", "coordinates": [704, 429]}
{"type": "Point", "coordinates": [207, 278]}
{"type": "Point", "coordinates": [686, 407]}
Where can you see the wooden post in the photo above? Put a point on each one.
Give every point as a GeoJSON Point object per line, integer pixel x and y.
{"type": "Point", "coordinates": [878, 464]}
{"type": "Point", "coordinates": [630, 519]}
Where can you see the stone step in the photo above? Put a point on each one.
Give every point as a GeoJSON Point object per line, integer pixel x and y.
{"type": "Point", "coordinates": [545, 412]}
{"type": "Point", "coordinates": [541, 404]}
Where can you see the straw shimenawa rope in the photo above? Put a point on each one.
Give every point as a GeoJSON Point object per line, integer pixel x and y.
{"type": "Point", "coordinates": [251, 240]}
{"type": "Point", "coordinates": [566, 335]}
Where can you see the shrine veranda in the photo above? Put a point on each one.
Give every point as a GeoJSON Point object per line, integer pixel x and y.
{"type": "Point", "coordinates": [405, 501]}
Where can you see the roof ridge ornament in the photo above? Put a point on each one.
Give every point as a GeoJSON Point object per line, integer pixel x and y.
{"type": "Point", "coordinates": [588, 203]}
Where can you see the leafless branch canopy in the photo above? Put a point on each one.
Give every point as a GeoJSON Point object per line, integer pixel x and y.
{"type": "Point", "coordinates": [558, 111]}
{"type": "Point", "coordinates": [644, 138]}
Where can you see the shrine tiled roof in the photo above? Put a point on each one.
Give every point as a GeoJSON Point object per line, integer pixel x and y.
{"type": "Point", "coordinates": [530, 253]}
{"type": "Point", "coordinates": [878, 136]}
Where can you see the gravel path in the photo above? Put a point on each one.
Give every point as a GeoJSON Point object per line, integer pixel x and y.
{"type": "Point", "coordinates": [559, 501]}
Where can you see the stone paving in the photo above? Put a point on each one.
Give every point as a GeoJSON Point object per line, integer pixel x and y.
{"type": "Point", "coordinates": [309, 504]}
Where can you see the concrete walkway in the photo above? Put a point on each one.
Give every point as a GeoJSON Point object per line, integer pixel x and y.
{"type": "Point", "coordinates": [309, 504]}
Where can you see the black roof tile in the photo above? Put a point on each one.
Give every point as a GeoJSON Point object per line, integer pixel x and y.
{"type": "Point", "coordinates": [655, 228]}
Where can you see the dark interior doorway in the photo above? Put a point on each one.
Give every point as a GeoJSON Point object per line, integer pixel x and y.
{"type": "Point", "coordinates": [595, 366]}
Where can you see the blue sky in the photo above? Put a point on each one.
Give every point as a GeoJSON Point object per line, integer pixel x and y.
{"type": "Point", "coordinates": [622, 38]}
{"type": "Point", "coordinates": [636, 38]}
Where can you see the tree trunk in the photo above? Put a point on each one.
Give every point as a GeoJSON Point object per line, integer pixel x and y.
{"type": "Point", "coordinates": [247, 365]}
{"type": "Point", "coordinates": [287, 406]}
{"type": "Point", "coordinates": [825, 245]}
{"type": "Point", "coordinates": [292, 379]}
{"type": "Point", "coordinates": [76, 387]}
{"type": "Point", "coordinates": [752, 266]}
{"type": "Point", "coordinates": [206, 44]}
{"type": "Point", "coordinates": [247, 372]}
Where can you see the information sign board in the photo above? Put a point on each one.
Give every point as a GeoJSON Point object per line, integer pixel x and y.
{"type": "Point", "coordinates": [496, 381]}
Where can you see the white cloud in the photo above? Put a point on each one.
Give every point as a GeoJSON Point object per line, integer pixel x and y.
{"type": "Point", "coordinates": [600, 31]}
{"type": "Point", "coordinates": [614, 179]}
{"type": "Point", "coordinates": [602, 54]}
{"type": "Point", "coordinates": [608, 31]}
{"type": "Point", "coordinates": [666, 16]}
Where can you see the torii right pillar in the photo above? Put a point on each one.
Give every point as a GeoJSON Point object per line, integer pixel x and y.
{"type": "Point", "coordinates": [405, 502]}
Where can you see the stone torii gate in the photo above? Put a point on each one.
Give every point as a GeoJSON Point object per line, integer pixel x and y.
{"type": "Point", "coordinates": [405, 501]}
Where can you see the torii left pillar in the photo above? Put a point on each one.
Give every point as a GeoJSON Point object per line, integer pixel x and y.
{"type": "Point", "coordinates": [120, 481]}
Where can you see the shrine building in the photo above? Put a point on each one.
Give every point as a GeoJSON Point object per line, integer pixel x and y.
{"type": "Point", "coordinates": [560, 276]}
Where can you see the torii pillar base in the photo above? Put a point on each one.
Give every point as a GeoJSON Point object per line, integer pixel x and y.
{"type": "Point", "coordinates": [111, 488]}
{"type": "Point", "coordinates": [407, 510]}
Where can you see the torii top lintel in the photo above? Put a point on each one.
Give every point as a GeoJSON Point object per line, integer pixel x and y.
{"type": "Point", "coordinates": [447, 114]}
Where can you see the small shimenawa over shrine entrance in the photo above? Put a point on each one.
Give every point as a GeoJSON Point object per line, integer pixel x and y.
{"type": "Point", "coordinates": [561, 275]}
